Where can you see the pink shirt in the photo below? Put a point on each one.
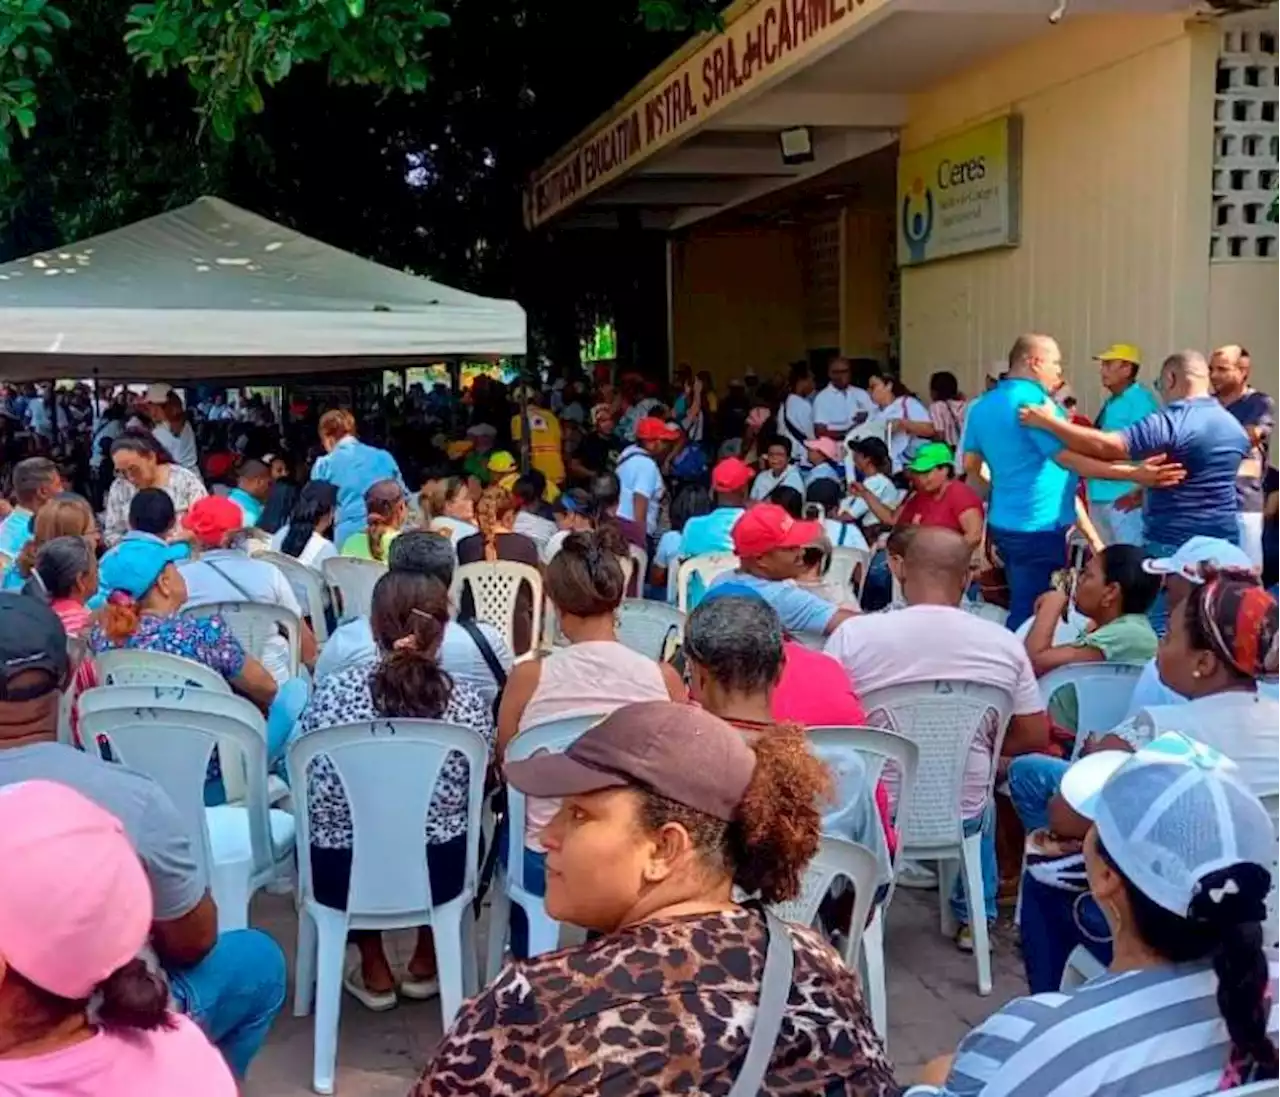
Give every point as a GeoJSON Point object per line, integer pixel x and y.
{"type": "Point", "coordinates": [179, 1060]}
{"type": "Point", "coordinates": [929, 643]}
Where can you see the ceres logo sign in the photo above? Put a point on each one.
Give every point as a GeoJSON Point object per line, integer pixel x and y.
{"type": "Point", "coordinates": [955, 174]}
{"type": "Point", "coordinates": [917, 218]}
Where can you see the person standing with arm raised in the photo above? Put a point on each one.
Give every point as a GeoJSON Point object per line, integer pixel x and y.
{"type": "Point", "coordinates": [1032, 503]}
{"type": "Point", "coordinates": [1194, 430]}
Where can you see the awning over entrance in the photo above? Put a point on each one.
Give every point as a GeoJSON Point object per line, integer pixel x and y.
{"type": "Point", "coordinates": [701, 134]}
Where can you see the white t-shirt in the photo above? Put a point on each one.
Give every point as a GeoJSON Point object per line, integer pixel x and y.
{"type": "Point", "coordinates": [836, 408]}
{"type": "Point", "coordinates": [314, 553]}
{"type": "Point", "coordinates": [539, 530]}
{"type": "Point", "coordinates": [638, 474]}
{"type": "Point", "coordinates": [181, 447]}
{"type": "Point", "coordinates": [454, 528]}
{"type": "Point", "coordinates": [766, 481]}
{"type": "Point", "coordinates": [901, 444]}
{"type": "Point", "coordinates": [930, 643]}
{"type": "Point", "coordinates": [798, 411]}
{"type": "Point", "coordinates": [1243, 726]}
{"type": "Point", "coordinates": [261, 581]}
{"type": "Point", "coordinates": [823, 471]}
{"type": "Point", "coordinates": [844, 534]}
{"type": "Point", "coordinates": [881, 487]}
{"type": "Point", "coordinates": [352, 643]}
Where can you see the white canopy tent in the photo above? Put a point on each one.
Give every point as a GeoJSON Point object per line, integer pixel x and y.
{"type": "Point", "coordinates": [211, 290]}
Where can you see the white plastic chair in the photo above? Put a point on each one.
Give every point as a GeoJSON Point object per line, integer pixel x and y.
{"type": "Point", "coordinates": [878, 749]}
{"type": "Point", "coordinates": [706, 566]}
{"type": "Point", "coordinates": [307, 586]}
{"type": "Point", "coordinates": [651, 628]}
{"type": "Point", "coordinates": [495, 587]}
{"type": "Point", "coordinates": [1082, 965]}
{"type": "Point", "coordinates": [1271, 927]}
{"type": "Point", "coordinates": [255, 623]}
{"type": "Point", "coordinates": [388, 770]}
{"type": "Point", "coordinates": [555, 736]}
{"type": "Point", "coordinates": [836, 858]}
{"type": "Point", "coordinates": [354, 580]}
{"type": "Point", "coordinates": [1254, 1089]}
{"type": "Point", "coordinates": [1103, 692]}
{"type": "Point", "coordinates": [169, 733]}
{"type": "Point", "coordinates": [943, 718]}
{"type": "Point", "coordinates": [127, 667]}
{"type": "Point", "coordinates": [77, 652]}
{"type": "Point", "coordinates": [639, 566]}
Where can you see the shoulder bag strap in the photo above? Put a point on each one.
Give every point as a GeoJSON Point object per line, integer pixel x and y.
{"type": "Point", "coordinates": [786, 422]}
{"type": "Point", "coordinates": [775, 989]}
{"type": "Point", "coordinates": [486, 651]}
{"type": "Point", "coordinates": [243, 593]}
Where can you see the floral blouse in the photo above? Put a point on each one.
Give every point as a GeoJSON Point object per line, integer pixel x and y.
{"type": "Point", "coordinates": [344, 697]}
{"type": "Point", "coordinates": [207, 640]}
{"type": "Point", "coordinates": [184, 488]}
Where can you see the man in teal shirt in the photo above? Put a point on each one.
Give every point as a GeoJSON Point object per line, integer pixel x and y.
{"type": "Point", "coordinates": [1114, 506]}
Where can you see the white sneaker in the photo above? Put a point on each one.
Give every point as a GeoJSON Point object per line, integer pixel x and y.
{"type": "Point", "coordinates": [912, 874]}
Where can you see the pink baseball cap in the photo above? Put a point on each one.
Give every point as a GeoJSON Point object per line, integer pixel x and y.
{"type": "Point", "coordinates": [76, 901]}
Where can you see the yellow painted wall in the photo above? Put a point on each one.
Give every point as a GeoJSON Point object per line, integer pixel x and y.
{"type": "Point", "coordinates": [867, 244]}
{"type": "Point", "coordinates": [1242, 309]}
{"type": "Point", "coordinates": [1116, 176]}
{"type": "Point", "coordinates": [738, 303]}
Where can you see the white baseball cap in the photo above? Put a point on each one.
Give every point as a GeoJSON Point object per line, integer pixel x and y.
{"type": "Point", "coordinates": [1194, 554]}
{"type": "Point", "coordinates": [1176, 812]}
{"type": "Point", "coordinates": [157, 393]}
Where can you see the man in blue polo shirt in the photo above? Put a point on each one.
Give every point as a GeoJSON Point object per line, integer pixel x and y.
{"type": "Point", "coordinates": [1032, 503]}
{"type": "Point", "coordinates": [1193, 430]}
{"type": "Point", "coordinates": [714, 532]}
{"type": "Point", "coordinates": [1114, 506]}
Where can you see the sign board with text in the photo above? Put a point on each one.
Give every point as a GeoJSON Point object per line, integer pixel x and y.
{"type": "Point", "coordinates": [763, 42]}
{"type": "Point", "coordinates": [961, 194]}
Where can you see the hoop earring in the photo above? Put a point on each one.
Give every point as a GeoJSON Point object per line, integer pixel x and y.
{"type": "Point", "coordinates": [1075, 917]}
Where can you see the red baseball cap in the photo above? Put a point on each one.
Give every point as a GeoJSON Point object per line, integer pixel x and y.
{"type": "Point", "coordinates": [731, 474]}
{"type": "Point", "coordinates": [767, 526]}
{"type": "Point", "coordinates": [653, 429]}
{"type": "Point", "coordinates": [212, 518]}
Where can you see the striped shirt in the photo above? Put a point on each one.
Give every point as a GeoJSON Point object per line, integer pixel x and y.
{"type": "Point", "coordinates": [1150, 1033]}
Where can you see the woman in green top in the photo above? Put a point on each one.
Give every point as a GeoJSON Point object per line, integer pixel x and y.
{"type": "Point", "coordinates": [1114, 591]}
{"type": "Point", "coordinates": [386, 508]}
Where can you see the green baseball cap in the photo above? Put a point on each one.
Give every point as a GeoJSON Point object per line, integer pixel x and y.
{"type": "Point", "coordinates": [930, 456]}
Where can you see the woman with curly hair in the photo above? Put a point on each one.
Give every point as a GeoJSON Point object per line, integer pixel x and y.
{"type": "Point", "coordinates": [666, 810]}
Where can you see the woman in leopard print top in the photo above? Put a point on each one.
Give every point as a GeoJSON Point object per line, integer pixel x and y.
{"type": "Point", "coordinates": [667, 808]}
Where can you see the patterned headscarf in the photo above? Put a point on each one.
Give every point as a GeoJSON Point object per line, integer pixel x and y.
{"type": "Point", "coordinates": [1239, 619]}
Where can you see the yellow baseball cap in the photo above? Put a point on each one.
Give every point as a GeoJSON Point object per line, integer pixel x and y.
{"type": "Point", "coordinates": [1120, 352]}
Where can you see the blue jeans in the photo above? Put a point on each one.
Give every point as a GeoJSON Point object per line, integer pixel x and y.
{"type": "Point", "coordinates": [291, 698]}
{"type": "Point", "coordinates": [986, 824]}
{"type": "Point", "coordinates": [234, 993]}
{"type": "Point", "coordinates": [1030, 559]}
{"type": "Point", "coordinates": [1052, 924]}
{"type": "Point", "coordinates": [1033, 782]}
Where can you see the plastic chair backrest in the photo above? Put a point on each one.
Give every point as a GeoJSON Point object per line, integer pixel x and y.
{"type": "Point", "coordinates": [1103, 692]}
{"type": "Point", "coordinates": [388, 770]}
{"type": "Point", "coordinates": [886, 756]}
{"type": "Point", "coordinates": [844, 562]}
{"type": "Point", "coordinates": [495, 587]}
{"type": "Point", "coordinates": [254, 623]}
{"type": "Point", "coordinates": [640, 560]}
{"type": "Point", "coordinates": [554, 736]}
{"type": "Point", "coordinates": [942, 718]}
{"type": "Point", "coordinates": [131, 667]}
{"type": "Point", "coordinates": [308, 587]}
{"type": "Point", "coordinates": [835, 858]}
{"type": "Point", "coordinates": [169, 732]}
{"type": "Point", "coordinates": [354, 580]}
{"type": "Point", "coordinates": [77, 652]}
{"type": "Point", "coordinates": [654, 629]}
{"type": "Point", "coordinates": [706, 566]}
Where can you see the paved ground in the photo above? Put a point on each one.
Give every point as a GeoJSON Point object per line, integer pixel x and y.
{"type": "Point", "coordinates": [933, 1001]}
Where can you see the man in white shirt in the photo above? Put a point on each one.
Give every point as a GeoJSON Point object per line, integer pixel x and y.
{"type": "Point", "coordinates": [933, 639]}
{"type": "Point", "coordinates": [840, 405]}
{"type": "Point", "coordinates": [225, 574]}
{"type": "Point", "coordinates": [460, 654]}
{"type": "Point", "coordinates": [171, 428]}
{"type": "Point", "coordinates": [640, 475]}
{"type": "Point", "coordinates": [795, 415]}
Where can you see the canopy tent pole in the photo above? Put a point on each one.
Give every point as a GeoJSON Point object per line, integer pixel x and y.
{"type": "Point", "coordinates": [526, 443]}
